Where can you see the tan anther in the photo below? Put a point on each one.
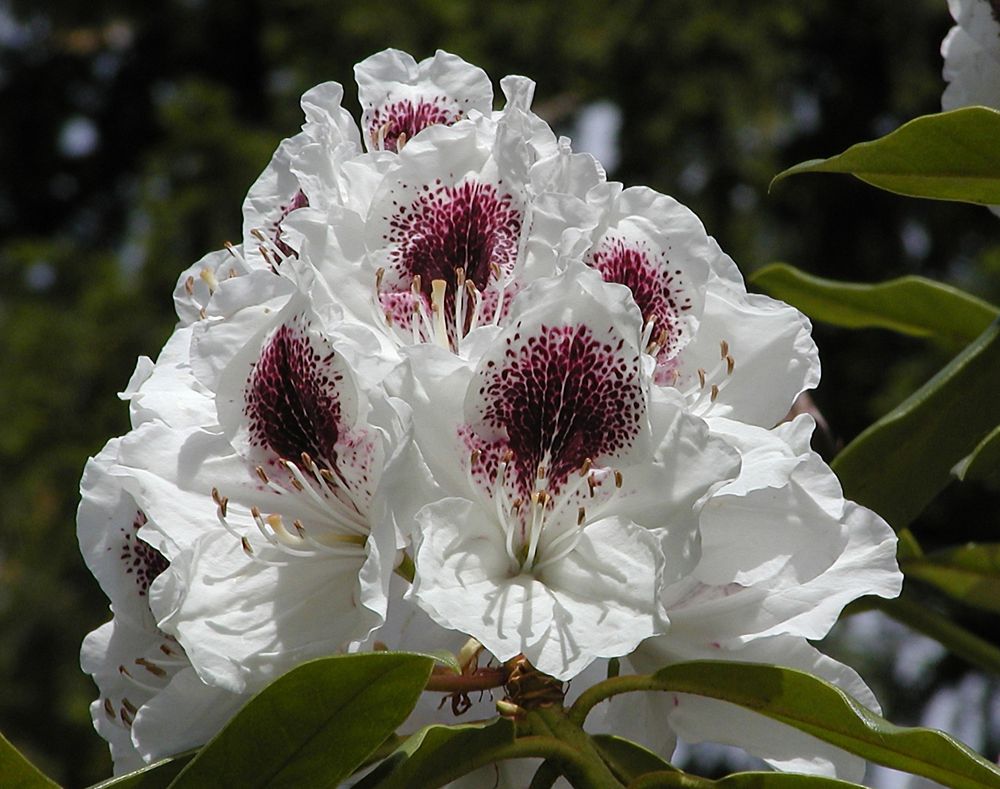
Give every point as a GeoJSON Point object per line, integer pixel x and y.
{"type": "Point", "coordinates": [730, 365]}
{"type": "Point", "coordinates": [229, 246]}
{"type": "Point", "coordinates": [540, 472]}
{"type": "Point", "coordinates": [189, 285]}
{"type": "Point", "coordinates": [379, 274]}
{"type": "Point", "coordinates": [247, 548]}
{"type": "Point", "coordinates": [507, 456]}
{"type": "Point", "coordinates": [618, 478]}
{"type": "Point", "coordinates": [258, 235]}
{"type": "Point", "coordinates": [592, 484]}
{"type": "Point", "coordinates": [495, 270]}
{"type": "Point", "coordinates": [581, 516]}
{"type": "Point", "coordinates": [474, 456]}
{"type": "Point", "coordinates": [255, 513]}
{"type": "Point", "coordinates": [388, 318]}
{"type": "Point", "coordinates": [542, 497]}
{"type": "Point", "coordinates": [109, 708]}
{"type": "Point", "coordinates": [128, 705]}
{"type": "Point", "coordinates": [400, 141]}
{"type": "Point", "coordinates": [460, 277]}
{"type": "Point", "coordinates": [701, 377]}
{"type": "Point", "coordinates": [416, 284]}
{"type": "Point", "coordinates": [724, 347]}
{"type": "Point", "coordinates": [151, 667]}
{"type": "Point", "coordinates": [306, 459]}
{"type": "Point", "coordinates": [328, 476]}
{"type": "Point", "coordinates": [299, 528]}
{"type": "Point", "coordinates": [262, 474]}
{"type": "Point", "coordinates": [715, 392]}
{"type": "Point", "coordinates": [585, 468]}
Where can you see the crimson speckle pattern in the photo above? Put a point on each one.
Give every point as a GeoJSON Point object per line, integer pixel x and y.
{"type": "Point", "coordinates": [656, 287]}
{"type": "Point", "coordinates": [407, 118]}
{"type": "Point", "coordinates": [562, 396]}
{"type": "Point", "coordinates": [142, 561]}
{"type": "Point", "coordinates": [299, 200]}
{"type": "Point", "coordinates": [291, 398]}
{"type": "Point", "coordinates": [471, 225]}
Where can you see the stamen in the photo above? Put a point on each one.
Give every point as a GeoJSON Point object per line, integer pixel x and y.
{"type": "Point", "coordinates": [151, 667]}
{"type": "Point", "coordinates": [438, 288]}
{"type": "Point", "coordinates": [208, 277]}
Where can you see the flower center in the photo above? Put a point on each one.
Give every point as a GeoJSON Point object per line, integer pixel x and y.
{"type": "Point", "coordinates": [452, 256]}
{"type": "Point", "coordinates": [393, 124]}
{"type": "Point", "coordinates": [559, 400]}
{"type": "Point", "coordinates": [297, 414]}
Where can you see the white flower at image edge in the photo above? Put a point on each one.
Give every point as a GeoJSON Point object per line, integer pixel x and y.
{"type": "Point", "coordinates": [567, 488]}
{"type": "Point", "coordinates": [145, 679]}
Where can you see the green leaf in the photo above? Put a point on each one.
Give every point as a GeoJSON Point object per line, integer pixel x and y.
{"type": "Point", "coordinates": [824, 711]}
{"type": "Point", "coordinates": [910, 305]}
{"type": "Point", "coordinates": [16, 772]}
{"type": "Point", "coordinates": [314, 725]}
{"type": "Point", "coordinates": [970, 573]}
{"type": "Point", "coordinates": [903, 460]}
{"type": "Point", "coordinates": [628, 760]}
{"type": "Point", "coordinates": [948, 156]}
{"type": "Point", "coordinates": [749, 780]}
{"type": "Point", "coordinates": [983, 464]}
{"type": "Point", "coordinates": [434, 755]}
{"type": "Point", "coordinates": [153, 776]}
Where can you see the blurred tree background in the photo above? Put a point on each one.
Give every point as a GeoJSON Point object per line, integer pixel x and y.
{"type": "Point", "coordinates": [131, 132]}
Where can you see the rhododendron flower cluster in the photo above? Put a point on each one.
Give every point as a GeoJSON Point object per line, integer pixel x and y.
{"type": "Point", "coordinates": [454, 384]}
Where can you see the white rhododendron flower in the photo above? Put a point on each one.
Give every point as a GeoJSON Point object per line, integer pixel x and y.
{"type": "Point", "coordinates": [567, 488]}
{"type": "Point", "coordinates": [145, 679]}
{"type": "Point", "coordinates": [454, 390]}
{"type": "Point", "coordinates": [971, 53]}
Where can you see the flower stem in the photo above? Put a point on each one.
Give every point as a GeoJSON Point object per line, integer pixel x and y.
{"type": "Point", "coordinates": [587, 769]}
{"type": "Point", "coordinates": [593, 696]}
{"type": "Point", "coordinates": [670, 778]}
{"type": "Point", "coordinates": [575, 765]}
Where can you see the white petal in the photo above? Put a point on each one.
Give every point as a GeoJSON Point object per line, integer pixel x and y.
{"type": "Point", "coordinates": [773, 352]}
{"type": "Point", "coordinates": [108, 523]}
{"type": "Point", "coordinates": [697, 718]}
{"type": "Point", "coordinates": [186, 714]}
{"type": "Point", "coordinates": [400, 96]}
{"type": "Point", "coordinates": [244, 623]}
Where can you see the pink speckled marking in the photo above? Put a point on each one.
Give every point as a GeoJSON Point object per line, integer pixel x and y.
{"type": "Point", "coordinates": [471, 226]}
{"type": "Point", "coordinates": [142, 561]}
{"type": "Point", "coordinates": [299, 200]}
{"type": "Point", "coordinates": [299, 399]}
{"type": "Point", "coordinates": [291, 397]}
{"type": "Point", "coordinates": [405, 117]}
{"type": "Point", "coordinates": [657, 289]}
{"type": "Point", "coordinates": [560, 396]}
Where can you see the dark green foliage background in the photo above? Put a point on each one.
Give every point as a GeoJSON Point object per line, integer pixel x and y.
{"type": "Point", "coordinates": [716, 98]}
